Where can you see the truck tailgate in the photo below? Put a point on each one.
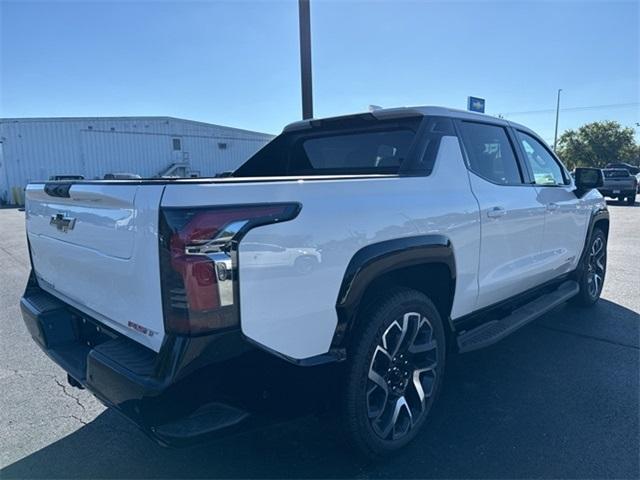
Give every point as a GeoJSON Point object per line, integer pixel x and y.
{"type": "Point", "coordinates": [96, 247]}
{"type": "Point", "coordinates": [618, 180]}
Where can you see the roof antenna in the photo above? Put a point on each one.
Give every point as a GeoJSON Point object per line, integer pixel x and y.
{"type": "Point", "coordinates": [373, 108]}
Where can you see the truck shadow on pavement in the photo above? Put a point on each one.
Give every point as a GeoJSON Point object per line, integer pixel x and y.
{"type": "Point", "coordinates": [557, 399]}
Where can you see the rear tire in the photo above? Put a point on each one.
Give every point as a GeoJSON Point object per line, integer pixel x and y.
{"type": "Point", "coordinates": [593, 270]}
{"type": "Point", "coordinates": [394, 373]}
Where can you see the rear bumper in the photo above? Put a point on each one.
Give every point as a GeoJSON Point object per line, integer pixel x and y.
{"type": "Point", "coordinates": [194, 388]}
{"type": "Point", "coordinates": [617, 192]}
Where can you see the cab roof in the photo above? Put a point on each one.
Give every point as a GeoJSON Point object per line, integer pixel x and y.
{"type": "Point", "coordinates": [398, 112]}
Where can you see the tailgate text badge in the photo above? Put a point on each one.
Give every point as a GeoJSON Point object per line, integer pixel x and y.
{"type": "Point", "coordinates": [140, 329]}
{"type": "Point", "coordinates": [62, 222]}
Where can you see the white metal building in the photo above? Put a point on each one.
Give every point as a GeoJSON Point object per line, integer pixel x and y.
{"type": "Point", "coordinates": [33, 149]}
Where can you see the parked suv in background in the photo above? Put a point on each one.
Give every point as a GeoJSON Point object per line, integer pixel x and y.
{"type": "Point", "coordinates": [183, 303]}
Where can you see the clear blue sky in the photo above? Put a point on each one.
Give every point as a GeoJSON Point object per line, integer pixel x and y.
{"type": "Point", "coordinates": [236, 63]}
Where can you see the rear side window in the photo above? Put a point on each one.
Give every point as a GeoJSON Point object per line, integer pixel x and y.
{"type": "Point", "coordinates": [384, 150]}
{"type": "Point", "coordinates": [490, 153]}
{"type": "Point", "coordinates": [346, 146]}
{"type": "Point", "coordinates": [545, 168]}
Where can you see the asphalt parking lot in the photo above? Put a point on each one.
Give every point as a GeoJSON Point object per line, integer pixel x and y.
{"type": "Point", "coordinates": [560, 398]}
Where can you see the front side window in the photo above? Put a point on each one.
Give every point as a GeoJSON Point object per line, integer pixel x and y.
{"type": "Point", "coordinates": [490, 153]}
{"type": "Point", "coordinates": [545, 168]}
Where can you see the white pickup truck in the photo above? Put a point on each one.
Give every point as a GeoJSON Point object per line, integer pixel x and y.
{"type": "Point", "coordinates": [335, 269]}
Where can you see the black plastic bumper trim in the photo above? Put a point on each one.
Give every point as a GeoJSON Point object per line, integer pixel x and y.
{"type": "Point", "coordinates": [144, 386]}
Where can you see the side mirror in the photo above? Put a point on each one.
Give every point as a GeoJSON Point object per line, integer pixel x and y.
{"type": "Point", "coordinates": [587, 179]}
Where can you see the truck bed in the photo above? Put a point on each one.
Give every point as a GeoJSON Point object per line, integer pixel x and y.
{"type": "Point", "coordinates": [108, 265]}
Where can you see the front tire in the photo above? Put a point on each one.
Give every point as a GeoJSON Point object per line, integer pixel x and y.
{"type": "Point", "coordinates": [631, 200]}
{"type": "Point", "coordinates": [394, 372]}
{"type": "Point", "coordinates": [593, 270]}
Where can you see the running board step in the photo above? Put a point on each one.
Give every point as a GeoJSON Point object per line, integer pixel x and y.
{"type": "Point", "coordinates": [210, 419]}
{"type": "Point", "coordinates": [495, 330]}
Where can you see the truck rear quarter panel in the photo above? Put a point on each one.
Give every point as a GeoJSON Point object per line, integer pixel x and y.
{"type": "Point", "coordinates": [290, 307]}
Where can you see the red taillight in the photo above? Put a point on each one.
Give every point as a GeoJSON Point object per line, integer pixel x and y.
{"type": "Point", "coordinates": [198, 263]}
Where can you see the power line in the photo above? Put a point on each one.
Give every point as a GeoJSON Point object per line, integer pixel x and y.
{"type": "Point", "coordinates": [576, 109]}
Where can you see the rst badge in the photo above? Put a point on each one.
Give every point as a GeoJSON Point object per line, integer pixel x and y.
{"type": "Point", "coordinates": [62, 222]}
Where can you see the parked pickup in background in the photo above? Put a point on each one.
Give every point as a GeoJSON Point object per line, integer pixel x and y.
{"type": "Point", "coordinates": [619, 183]}
{"type": "Point", "coordinates": [334, 270]}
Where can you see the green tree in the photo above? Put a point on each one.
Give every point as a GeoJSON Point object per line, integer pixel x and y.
{"type": "Point", "coordinates": [598, 143]}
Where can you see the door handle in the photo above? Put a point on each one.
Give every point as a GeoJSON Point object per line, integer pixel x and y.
{"type": "Point", "coordinates": [496, 212]}
{"type": "Point", "coordinates": [552, 206]}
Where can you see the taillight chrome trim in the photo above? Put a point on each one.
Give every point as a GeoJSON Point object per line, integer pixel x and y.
{"type": "Point", "coordinates": [225, 273]}
{"type": "Point", "coordinates": [220, 243]}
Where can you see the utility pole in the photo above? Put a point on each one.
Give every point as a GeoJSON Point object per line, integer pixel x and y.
{"type": "Point", "coordinates": [305, 58]}
{"type": "Point", "coordinates": [555, 136]}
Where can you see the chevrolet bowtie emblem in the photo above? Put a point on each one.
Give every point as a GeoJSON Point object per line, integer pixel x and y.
{"type": "Point", "coordinates": [62, 222]}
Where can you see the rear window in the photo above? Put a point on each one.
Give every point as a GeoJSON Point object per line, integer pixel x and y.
{"type": "Point", "coordinates": [490, 153]}
{"type": "Point", "coordinates": [616, 173]}
{"type": "Point", "coordinates": [348, 146]}
{"type": "Point", "coordinates": [624, 166]}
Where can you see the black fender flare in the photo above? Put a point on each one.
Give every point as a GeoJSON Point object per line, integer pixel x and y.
{"type": "Point", "coordinates": [597, 215]}
{"type": "Point", "coordinates": [376, 259]}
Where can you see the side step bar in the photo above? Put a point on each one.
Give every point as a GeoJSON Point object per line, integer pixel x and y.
{"type": "Point", "coordinates": [495, 330]}
{"type": "Point", "coordinates": [208, 420]}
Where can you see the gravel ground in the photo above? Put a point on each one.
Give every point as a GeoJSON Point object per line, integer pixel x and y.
{"type": "Point", "coordinates": [559, 398]}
